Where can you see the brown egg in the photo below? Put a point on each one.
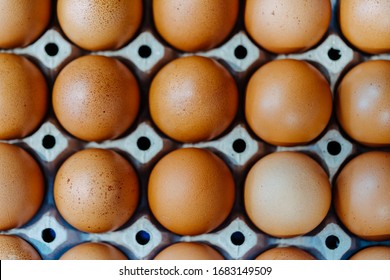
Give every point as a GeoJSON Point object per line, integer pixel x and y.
{"type": "Point", "coordinates": [366, 24]}
{"type": "Point", "coordinates": [195, 25]}
{"type": "Point", "coordinates": [288, 102]}
{"type": "Point", "coordinates": [193, 99]}
{"type": "Point", "coordinates": [362, 196]}
{"type": "Point", "coordinates": [21, 113]}
{"type": "Point", "coordinates": [282, 26]}
{"type": "Point", "coordinates": [285, 253]}
{"type": "Point", "coordinates": [373, 253]}
{"type": "Point", "coordinates": [22, 21]}
{"type": "Point", "coordinates": [191, 191]}
{"type": "Point", "coordinates": [13, 247]}
{"type": "Point", "coordinates": [99, 25]}
{"type": "Point", "coordinates": [96, 190]}
{"type": "Point", "coordinates": [93, 251]}
{"type": "Point", "coordinates": [96, 98]}
{"type": "Point", "coordinates": [363, 103]}
{"type": "Point", "coordinates": [189, 251]}
{"type": "Point", "coordinates": [287, 194]}
{"type": "Point", "coordinates": [22, 187]}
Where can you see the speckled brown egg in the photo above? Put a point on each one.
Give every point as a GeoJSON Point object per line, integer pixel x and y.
{"type": "Point", "coordinates": [366, 24]}
{"type": "Point", "coordinates": [195, 25]}
{"type": "Point", "coordinates": [23, 96]}
{"type": "Point", "coordinates": [363, 103]}
{"type": "Point", "coordinates": [372, 253]}
{"type": "Point", "coordinates": [189, 251]}
{"type": "Point", "coordinates": [22, 21]}
{"type": "Point", "coordinates": [93, 251]}
{"type": "Point", "coordinates": [288, 102]}
{"type": "Point", "coordinates": [285, 253]}
{"type": "Point", "coordinates": [96, 98]}
{"type": "Point", "coordinates": [99, 25]}
{"type": "Point", "coordinates": [22, 186]}
{"type": "Point", "coordinates": [282, 26]}
{"type": "Point", "coordinates": [193, 99]}
{"type": "Point", "coordinates": [191, 191]}
{"type": "Point", "coordinates": [96, 190]}
{"type": "Point", "coordinates": [287, 194]}
{"type": "Point", "coordinates": [13, 247]}
{"type": "Point", "coordinates": [362, 195]}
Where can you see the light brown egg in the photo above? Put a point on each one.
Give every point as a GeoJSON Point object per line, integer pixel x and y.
{"type": "Point", "coordinates": [363, 103]}
{"type": "Point", "coordinates": [93, 251]}
{"type": "Point", "coordinates": [362, 195]}
{"type": "Point", "coordinates": [373, 253]}
{"type": "Point", "coordinates": [189, 251]}
{"type": "Point", "coordinates": [96, 190]}
{"type": "Point", "coordinates": [287, 194]}
{"type": "Point", "coordinates": [191, 191]}
{"type": "Point", "coordinates": [282, 26]}
{"type": "Point", "coordinates": [99, 25]}
{"type": "Point", "coordinates": [288, 102]}
{"type": "Point", "coordinates": [21, 113]}
{"type": "Point", "coordinates": [22, 187]}
{"type": "Point", "coordinates": [195, 25]}
{"type": "Point", "coordinates": [285, 253]}
{"type": "Point", "coordinates": [22, 21]}
{"type": "Point", "coordinates": [13, 247]}
{"type": "Point", "coordinates": [193, 99]}
{"type": "Point", "coordinates": [366, 24]}
{"type": "Point", "coordinates": [96, 98]}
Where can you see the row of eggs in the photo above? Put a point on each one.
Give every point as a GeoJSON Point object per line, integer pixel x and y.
{"type": "Point", "coordinates": [191, 99]}
{"type": "Point", "coordinates": [278, 26]}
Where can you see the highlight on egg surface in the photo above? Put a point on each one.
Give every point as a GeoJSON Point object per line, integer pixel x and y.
{"type": "Point", "coordinates": [189, 251]}
{"type": "Point", "coordinates": [13, 247]}
{"type": "Point", "coordinates": [362, 195]}
{"type": "Point", "coordinates": [96, 190]}
{"type": "Point", "coordinates": [93, 251]}
{"type": "Point", "coordinates": [285, 253]}
{"type": "Point", "coordinates": [287, 194]}
{"type": "Point", "coordinates": [191, 191]}
{"type": "Point", "coordinates": [288, 102]}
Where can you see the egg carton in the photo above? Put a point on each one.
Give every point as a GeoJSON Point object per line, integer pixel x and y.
{"type": "Point", "coordinates": [142, 237]}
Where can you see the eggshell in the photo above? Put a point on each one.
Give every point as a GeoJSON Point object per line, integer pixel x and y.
{"type": "Point", "coordinates": [13, 247]}
{"type": "Point", "coordinates": [96, 190]}
{"type": "Point", "coordinates": [96, 98]}
{"type": "Point", "coordinates": [285, 253]}
{"type": "Point", "coordinates": [93, 251]}
{"type": "Point", "coordinates": [99, 25]}
{"type": "Point", "coordinates": [282, 26]}
{"type": "Point", "coordinates": [21, 187]}
{"type": "Point", "coordinates": [288, 102]}
{"type": "Point", "coordinates": [363, 103]}
{"type": "Point", "coordinates": [366, 24]}
{"type": "Point", "coordinates": [195, 25]}
{"type": "Point", "coordinates": [22, 21]}
{"type": "Point", "coordinates": [362, 195]}
{"type": "Point", "coordinates": [191, 191]}
{"type": "Point", "coordinates": [373, 253]}
{"type": "Point", "coordinates": [287, 194]}
{"type": "Point", "coordinates": [21, 113]}
{"type": "Point", "coordinates": [193, 99]}
{"type": "Point", "coordinates": [189, 251]}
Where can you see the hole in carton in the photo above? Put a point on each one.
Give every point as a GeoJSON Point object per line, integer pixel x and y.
{"type": "Point", "coordinates": [143, 143]}
{"type": "Point", "coordinates": [144, 51]}
{"type": "Point", "coordinates": [332, 242]}
{"type": "Point", "coordinates": [51, 49]}
{"type": "Point", "coordinates": [49, 141]}
{"type": "Point", "coordinates": [334, 148]}
{"type": "Point", "coordinates": [48, 235]}
{"type": "Point", "coordinates": [240, 52]}
{"type": "Point", "coordinates": [239, 146]}
{"type": "Point", "coordinates": [142, 237]}
{"type": "Point", "coordinates": [334, 54]}
{"type": "Point", "coordinates": [237, 238]}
